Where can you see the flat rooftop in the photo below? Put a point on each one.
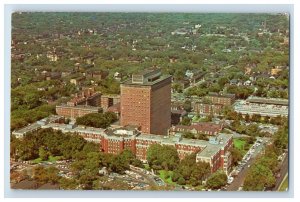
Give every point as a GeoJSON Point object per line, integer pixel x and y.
{"type": "Point", "coordinates": [146, 83]}
{"type": "Point", "coordinates": [212, 149]}
{"type": "Point", "coordinates": [81, 129]}
{"type": "Point", "coordinates": [209, 150]}
{"type": "Point", "coordinates": [79, 107]}
{"type": "Point", "coordinates": [28, 128]}
{"type": "Point", "coordinates": [262, 100]}
{"type": "Point", "coordinates": [221, 95]}
{"type": "Point", "coordinates": [127, 131]}
{"type": "Point", "coordinates": [245, 107]}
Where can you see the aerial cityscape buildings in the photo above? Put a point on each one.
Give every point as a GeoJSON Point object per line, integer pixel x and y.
{"type": "Point", "coordinates": [149, 101]}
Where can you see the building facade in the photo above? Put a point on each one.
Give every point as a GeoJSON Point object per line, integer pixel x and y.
{"type": "Point", "coordinates": [210, 129]}
{"type": "Point", "coordinates": [222, 99]}
{"type": "Point", "coordinates": [74, 112]}
{"type": "Point", "coordinates": [146, 102]}
{"type": "Point", "coordinates": [109, 100]}
{"type": "Point", "coordinates": [207, 109]}
{"type": "Point", "coordinates": [271, 107]}
{"type": "Point", "coordinates": [216, 151]}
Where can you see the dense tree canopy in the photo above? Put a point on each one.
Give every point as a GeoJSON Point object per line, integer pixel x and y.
{"type": "Point", "coordinates": [162, 157]}
{"type": "Point", "coordinates": [216, 180]}
{"type": "Point", "coordinates": [191, 172]}
{"type": "Point", "coordinates": [97, 120]}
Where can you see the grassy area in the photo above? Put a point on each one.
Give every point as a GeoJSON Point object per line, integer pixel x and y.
{"type": "Point", "coordinates": [240, 144]}
{"type": "Point", "coordinates": [196, 119]}
{"type": "Point", "coordinates": [147, 167]}
{"type": "Point", "coordinates": [38, 160]}
{"type": "Point", "coordinates": [51, 159]}
{"type": "Point", "coordinates": [285, 184]}
{"type": "Point", "coordinates": [168, 180]}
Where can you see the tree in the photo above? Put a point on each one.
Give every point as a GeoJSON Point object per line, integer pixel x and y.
{"type": "Point", "coordinates": [67, 184]}
{"type": "Point", "coordinates": [129, 157]}
{"type": "Point", "coordinates": [256, 117]}
{"type": "Point", "coordinates": [162, 157]}
{"type": "Point", "coordinates": [44, 175]}
{"type": "Point", "coordinates": [44, 155]}
{"type": "Point", "coordinates": [236, 155]}
{"type": "Point", "coordinates": [52, 173]}
{"type": "Point", "coordinates": [181, 181]}
{"type": "Point", "coordinates": [32, 100]}
{"type": "Point", "coordinates": [86, 180]}
{"type": "Point", "coordinates": [186, 121]}
{"type": "Point", "coordinates": [97, 120]}
{"type": "Point", "coordinates": [258, 177]}
{"type": "Point", "coordinates": [247, 118]}
{"type": "Point", "coordinates": [187, 106]}
{"type": "Point", "coordinates": [222, 81]}
{"type": "Point", "coordinates": [119, 165]}
{"type": "Point", "coordinates": [281, 139]}
{"type": "Point", "coordinates": [217, 180]}
{"type": "Point", "coordinates": [191, 171]}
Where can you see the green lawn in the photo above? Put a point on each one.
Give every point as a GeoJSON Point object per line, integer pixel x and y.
{"type": "Point", "coordinates": [162, 175]}
{"type": "Point", "coordinates": [51, 159]}
{"type": "Point", "coordinates": [196, 119]}
{"type": "Point", "coordinates": [238, 143]}
{"type": "Point", "coordinates": [147, 167]}
{"type": "Point", "coordinates": [284, 185]}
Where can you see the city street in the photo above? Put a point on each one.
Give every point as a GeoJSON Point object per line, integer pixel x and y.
{"type": "Point", "coordinates": [239, 179]}
{"type": "Point", "coordinates": [283, 171]}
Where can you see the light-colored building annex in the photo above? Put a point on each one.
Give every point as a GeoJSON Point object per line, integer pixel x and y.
{"type": "Point", "coordinates": [263, 106]}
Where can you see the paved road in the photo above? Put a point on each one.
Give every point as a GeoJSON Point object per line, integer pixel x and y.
{"type": "Point", "coordinates": [283, 172]}
{"type": "Point", "coordinates": [239, 179]}
{"type": "Point", "coordinates": [191, 86]}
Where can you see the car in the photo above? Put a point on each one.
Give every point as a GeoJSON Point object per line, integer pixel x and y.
{"type": "Point", "coordinates": [229, 180]}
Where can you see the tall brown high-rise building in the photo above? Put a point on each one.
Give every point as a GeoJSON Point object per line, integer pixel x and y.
{"type": "Point", "coordinates": [146, 102]}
